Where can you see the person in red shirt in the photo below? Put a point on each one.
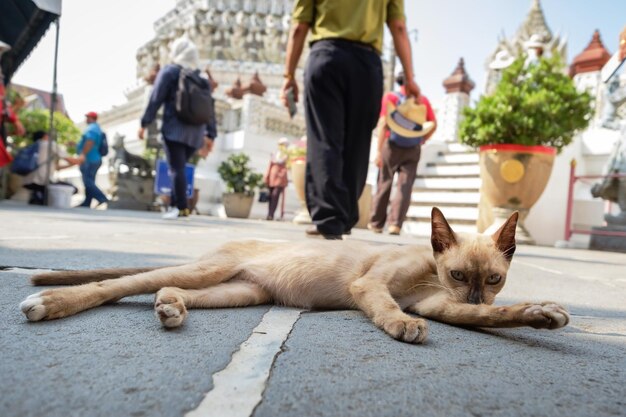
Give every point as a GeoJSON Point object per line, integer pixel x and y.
{"type": "Point", "coordinates": [391, 158]}
{"type": "Point", "coordinates": [7, 116]}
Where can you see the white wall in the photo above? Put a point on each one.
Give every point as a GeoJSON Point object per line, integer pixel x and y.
{"type": "Point", "coordinates": [546, 221]}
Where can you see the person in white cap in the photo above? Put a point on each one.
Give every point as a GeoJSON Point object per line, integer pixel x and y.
{"type": "Point", "coordinates": [181, 138]}
{"type": "Point", "coordinates": [276, 176]}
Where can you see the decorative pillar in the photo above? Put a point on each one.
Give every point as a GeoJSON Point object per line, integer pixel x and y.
{"type": "Point", "coordinates": [458, 87]}
{"type": "Point", "coordinates": [586, 69]}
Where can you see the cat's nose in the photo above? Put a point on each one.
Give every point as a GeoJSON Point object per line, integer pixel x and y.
{"type": "Point", "coordinates": [475, 297]}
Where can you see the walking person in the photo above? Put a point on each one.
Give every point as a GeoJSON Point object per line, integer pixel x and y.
{"type": "Point", "coordinates": [276, 176]}
{"type": "Point", "coordinates": [181, 139]}
{"type": "Point", "coordinates": [404, 125]}
{"type": "Point", "coordinates": [90, 160]}
{"type": "Point", "coordinates": [343, 83]}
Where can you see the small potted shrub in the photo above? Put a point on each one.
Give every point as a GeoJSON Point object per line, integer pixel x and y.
{"type": "Point", "coordinates": [533, 114]}
{"type": "Point", "coordinates": [240, 182]}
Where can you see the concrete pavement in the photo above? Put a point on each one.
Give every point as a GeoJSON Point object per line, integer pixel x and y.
{"type": "Point", "coordinates": [117, 360]}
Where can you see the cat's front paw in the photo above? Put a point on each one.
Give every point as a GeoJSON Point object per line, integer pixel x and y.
{"type": "Point", "coordinates": [169, 308]}
{"type": "Point", "coordinates": [546, 315]}
{"type": "Point", "coordinates": [410, 330]}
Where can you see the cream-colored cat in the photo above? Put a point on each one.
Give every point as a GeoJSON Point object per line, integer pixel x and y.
{"type": "Point", "coordinates": [455, 282]}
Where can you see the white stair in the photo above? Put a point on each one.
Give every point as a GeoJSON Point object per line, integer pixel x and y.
{"type": "Point", "coordinates": [452, 170]}
{"type": "Point", "coordinates": [451, 182]}
{"type": "Point", "coordinates": [447, 183]}
{"type": "Point", "coordinates": [459, 158]}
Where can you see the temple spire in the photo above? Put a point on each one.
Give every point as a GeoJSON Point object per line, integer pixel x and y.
{"type": "Point", "coordinates": [592, 58]}
{"type": "Point", "coordinates": [535, 24]}
{"type": "Point", "coordinates": [459, 81]}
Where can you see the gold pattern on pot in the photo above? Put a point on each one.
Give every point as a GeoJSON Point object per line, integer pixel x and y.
{"type": "Point", "coordinates": [512, 171]}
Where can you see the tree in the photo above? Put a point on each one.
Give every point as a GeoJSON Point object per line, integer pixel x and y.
{"type": "Point", "coordinates": [33, 120]}
{"type": "Point", "coordinates": [538, 105]}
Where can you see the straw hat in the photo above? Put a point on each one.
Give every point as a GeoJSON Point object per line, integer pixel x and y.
{"type": "Point", "coordinates": [502, 60]}
{"type": "Point", "coordinates": [408, 119]}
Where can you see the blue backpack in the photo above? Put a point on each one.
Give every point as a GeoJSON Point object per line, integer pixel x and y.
{"type": "Point", "coordinates": [26, 160]}
{"type": "Point", "coordinates": [403, 141]}
{"type": "Point", "coordinates": [104, 145]}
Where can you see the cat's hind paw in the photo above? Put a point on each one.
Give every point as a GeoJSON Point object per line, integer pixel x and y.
{"type": "Point", "coordinates": [546, 315]}
{"type": "Point", "coordinates": [169, 308]}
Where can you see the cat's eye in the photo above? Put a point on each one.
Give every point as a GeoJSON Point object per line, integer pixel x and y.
{"type": "Point", "coordinates": [494, 279]}
{"type": "Point", "coordinates": [457, 275]}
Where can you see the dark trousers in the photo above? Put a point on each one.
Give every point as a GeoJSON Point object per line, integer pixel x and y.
{"type": "Point", "coordinates": [275, 193]}
{"type": "Point", "coordinates": [343, 89]}
{"type": "Point", "coordinates": [404, 162]}
{"type": "Point", "coordinates": [37, 194]}
{"type": "Point", "coordinates": [89, 171]}
{"type": "Point", "coordinates": [177, 156]}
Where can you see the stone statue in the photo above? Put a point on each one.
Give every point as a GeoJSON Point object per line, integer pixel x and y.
{"type": "Point", "coordinates": [535, 49]}
{"type": "Point", "coordinates": [130, 177]}
{"type": "Point", "coordinates": [614, 189]}
{"type": "Point", "coordinates": [237, 50]}
{"type": "Point", "coordinates": [271, 40]}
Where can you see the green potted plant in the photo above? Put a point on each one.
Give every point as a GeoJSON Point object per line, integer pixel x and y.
{"type": "Point", "coordinates": [533, 114]}
{"type": "Point", "coordinates": [240, 182]}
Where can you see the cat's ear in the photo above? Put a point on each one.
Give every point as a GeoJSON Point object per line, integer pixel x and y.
{"type": "Point", "coordinates": [505, 236]}
{"type": "Point", "coordinates": [442, 237]}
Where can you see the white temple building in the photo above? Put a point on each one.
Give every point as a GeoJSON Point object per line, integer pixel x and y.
{"type": "Point", "coordinates": [239, 41]}
{"type": "Point", "coordinates": [245, 40]}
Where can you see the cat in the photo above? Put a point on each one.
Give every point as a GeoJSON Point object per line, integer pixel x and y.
{"type": "Point", "coordinates": [455, 282]}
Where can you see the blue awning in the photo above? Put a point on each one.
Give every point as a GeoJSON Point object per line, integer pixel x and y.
{"type": "Point", "coordinates": [22, 24]}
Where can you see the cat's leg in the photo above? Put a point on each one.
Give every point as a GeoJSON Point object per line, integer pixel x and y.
{"type": "Point", "coordinates": [372, 296]}
{"type": "Point", "coordinates": [171, 303]}
{"type": "Point", "coordinates": [545, 315]}
{"type": "Point", "coordinates": [63, 302]}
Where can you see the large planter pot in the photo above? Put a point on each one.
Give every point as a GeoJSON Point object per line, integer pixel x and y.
{"type": "Point", "coordinates": [238, 205]}
{"type": "Point", "coordinates": [298, 173]}
{"type": "Point", "coordinates": [513, 178]}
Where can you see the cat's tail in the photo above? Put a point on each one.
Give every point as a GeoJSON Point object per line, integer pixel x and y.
{"type": "Point", "coordinates": [83, 277]}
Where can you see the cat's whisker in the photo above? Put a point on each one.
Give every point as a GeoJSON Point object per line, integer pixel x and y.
{"type": "Point", "coordinates": [432, 284]}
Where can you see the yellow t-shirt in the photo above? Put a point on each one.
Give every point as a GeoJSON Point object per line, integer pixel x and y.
{"type": "Point", "coordinates": [355, 20]}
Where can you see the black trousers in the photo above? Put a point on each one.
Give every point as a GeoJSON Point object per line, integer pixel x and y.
{"type": "Point", "coordinates": [275, 193]}
{"type": "Point", "coordinates": [177, 156]}
{"type": "Point", "coordinates": [343, 84]}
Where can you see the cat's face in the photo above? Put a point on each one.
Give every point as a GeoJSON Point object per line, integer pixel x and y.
{"type": "Point", "coordinates": [473, 267]}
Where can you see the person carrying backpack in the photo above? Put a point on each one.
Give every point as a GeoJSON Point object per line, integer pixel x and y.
{"type": "Point", "coordinates": [90, 158]}
{"type": "Point", "coordinates": [404, 125]}
{"type": "Point", "coordinates": [188, 117]}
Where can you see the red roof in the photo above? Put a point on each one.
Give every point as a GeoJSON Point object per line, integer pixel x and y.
{"type": "Point", "coordinates": [592, 58]}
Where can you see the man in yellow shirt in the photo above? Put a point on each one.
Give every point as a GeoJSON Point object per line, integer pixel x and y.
{"type": "Point", "coordinates": [343, 83]}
